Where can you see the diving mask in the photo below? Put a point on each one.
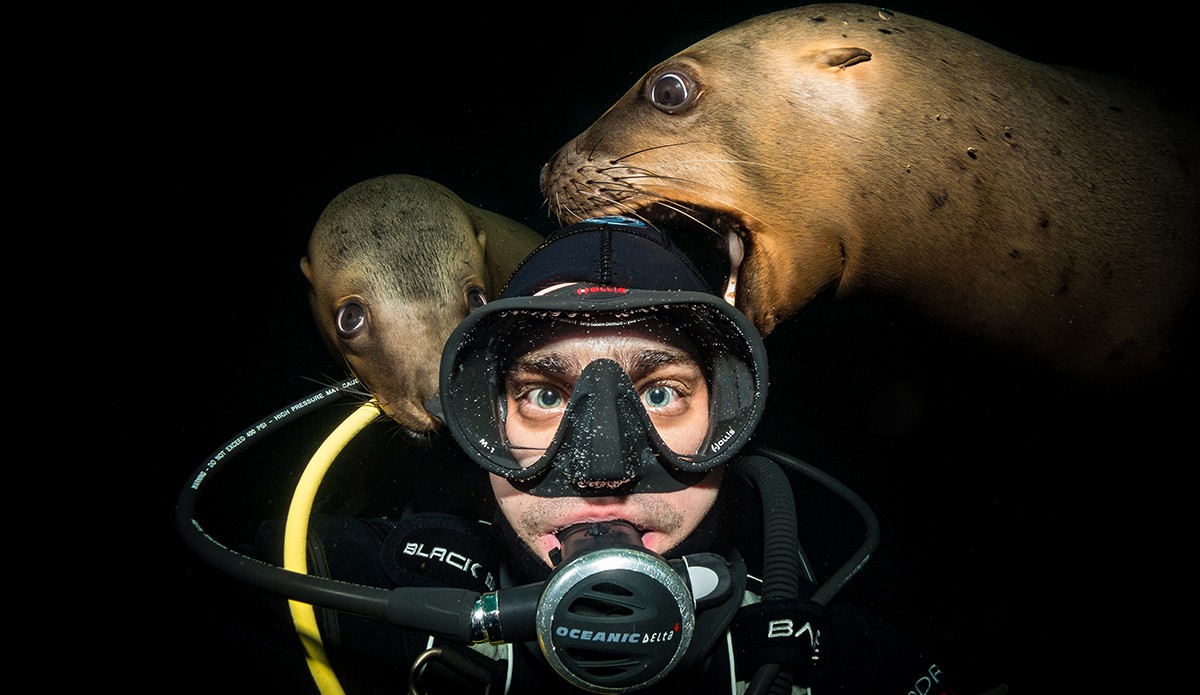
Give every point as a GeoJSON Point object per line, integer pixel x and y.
{"type": "Point", "coordinates": [530, 393]}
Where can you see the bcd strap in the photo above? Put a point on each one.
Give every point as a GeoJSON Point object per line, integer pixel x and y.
{"type": "Point", "coordinates": [785, 632]}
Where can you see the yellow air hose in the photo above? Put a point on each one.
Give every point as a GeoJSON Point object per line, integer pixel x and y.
{"type": "Point", "coordinates": [295, 541]}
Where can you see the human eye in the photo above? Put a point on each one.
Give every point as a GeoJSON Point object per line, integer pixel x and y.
{"type": "Point", "coordinates": [659, 396]}
{"type": "Point", "coordinates": [665, 399]}
{"type": "Point", "coordinates": [544, 398]}
{"type": "Point", "coordinates": [538, 400]}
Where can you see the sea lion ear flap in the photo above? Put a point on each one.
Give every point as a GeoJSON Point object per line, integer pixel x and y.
{"type": "Point", "coordinates": [494, 276]}
{"type": "Point", "coordinates": [843, 57]}
{"type": "Point", "coordinates": [481, 238]}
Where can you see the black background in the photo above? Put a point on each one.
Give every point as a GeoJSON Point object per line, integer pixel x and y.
{"type": "Point", "coordinates": [1032, 527]}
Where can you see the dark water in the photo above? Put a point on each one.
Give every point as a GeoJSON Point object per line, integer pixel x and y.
{"type": "Point", "coordinates": [1034, 530]}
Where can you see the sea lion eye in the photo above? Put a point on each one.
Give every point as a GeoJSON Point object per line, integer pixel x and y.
{"type": "Point", "coordinates": [350, 319]}
{"type": "Point", "coordinates": [670, 92]}
{"type": "Point", "coordinates": [476, 298]}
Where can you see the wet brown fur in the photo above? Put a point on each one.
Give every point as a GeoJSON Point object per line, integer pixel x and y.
{"type": "Point", "coordinates": [1042, 209]}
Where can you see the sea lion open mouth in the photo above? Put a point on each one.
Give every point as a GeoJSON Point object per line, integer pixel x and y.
{"type": "Point", "coordinates": [714, 240]}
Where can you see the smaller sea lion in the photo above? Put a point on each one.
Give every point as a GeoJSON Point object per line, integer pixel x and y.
{"type": "Point", "coordinates": [393, 264]}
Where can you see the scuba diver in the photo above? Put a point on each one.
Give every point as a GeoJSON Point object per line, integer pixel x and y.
{"type": "Point", "coordinates": [632, 545]}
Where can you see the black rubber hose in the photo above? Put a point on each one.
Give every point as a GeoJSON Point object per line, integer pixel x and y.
{"type": "Point", "coordinates": [781, 554]}
{"type": "Point", "coordinates": [829, 588]}
{"type": "Point", "coordinates": [781, 538]}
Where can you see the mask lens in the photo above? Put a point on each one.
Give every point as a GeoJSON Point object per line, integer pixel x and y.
{"type": "Point", "coordinates": [654, 374]}
{"type": "Point", "coordinates": [689, 376]}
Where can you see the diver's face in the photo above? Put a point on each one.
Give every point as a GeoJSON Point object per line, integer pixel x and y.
{"type": "Point", "coordinates": [673, 389]}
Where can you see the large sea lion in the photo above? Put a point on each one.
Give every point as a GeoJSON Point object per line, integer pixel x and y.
{"type": "Point", "coordinates": [393, 264]}
{"type": "Point", "coordinates": [848, 148]}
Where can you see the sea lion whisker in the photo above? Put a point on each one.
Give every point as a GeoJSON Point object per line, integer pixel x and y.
{"type": "Point", "coordinates": [329, 382]}
{"type": "Point", "coordinates": [643, 174]}
{"type": "Point", "coordinates": [594, 192]}
{"type": "Point", "coordinates": [623, 167]}
{"type": "Point", "coordinates": [745, 162]}
{"type": "Point", "coordinates": [631, 173]}
{"type": "Point", "coordinates": [639, 173]}
{"type": "Point", "coordinates": [644, 150]}
{"type": "Point", "coordinates": [649, 175]}
{"type": "Point", "coordinates": [764, 225]}
{"type": "Point", "coordinates": [420, 440]}
{"type": "Point", "coordinates": [564, 211]}
{"type": "Point", "coordinates": [688, 212]}
{"type": "Point", "coordinates": [633, 212]}
{"type": "Point", "coordinates": [550, 203]}
{"type": "Point", "coordinates": [615, 183]}
{"type": "Point", "coordinates": [630, 192]}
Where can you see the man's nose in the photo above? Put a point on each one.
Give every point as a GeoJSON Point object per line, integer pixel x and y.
{"type": "Point", "coordinates": [607, 450]}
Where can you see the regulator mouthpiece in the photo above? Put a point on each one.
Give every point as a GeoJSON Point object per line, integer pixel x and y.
{"type": "Point", "coordinates": [614, 617]}
{"type": "Point", "coordinates": [587, 537]}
